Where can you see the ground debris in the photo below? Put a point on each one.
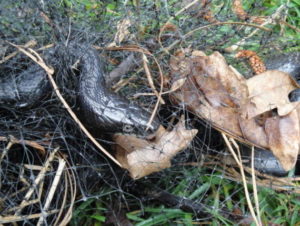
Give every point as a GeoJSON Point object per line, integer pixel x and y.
{"type": "Point", "coordinates": [141, 157]}
{"type": "Point", "coordinates": [256, 111]}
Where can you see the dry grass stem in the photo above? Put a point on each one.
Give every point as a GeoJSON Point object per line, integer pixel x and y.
{"type": "Point", "coordinates": [37, 180]}
{"type": "Point", "coordinates": [59, 171]}
{"type": "Point", "coordinates": [160, 92]}
{"type": "Point", "coordinates": [238, 161]}
{"type": "Point", "coordinates": [11, 218]}
{"type": "Point", "coordinates": [171, 18]}
{"type": "Point", "coordinates": [150, 80]}
{"type": "Point", "coordinates": [31, 43]}
{"type": "Point", "coordinates": [289, 25]}
{"type": "Point", "coordinates": [270, 19]}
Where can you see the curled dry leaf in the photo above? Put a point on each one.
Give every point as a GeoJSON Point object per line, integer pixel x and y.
{"type": "Point", "coordinates": [241, 108]}
{"type": "Point", "coordinates": [141, 157]}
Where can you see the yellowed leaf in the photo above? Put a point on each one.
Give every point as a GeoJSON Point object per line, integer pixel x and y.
{"type": "Point", "coordinates": [141, 157]}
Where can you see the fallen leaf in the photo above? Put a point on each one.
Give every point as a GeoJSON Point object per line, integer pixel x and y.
{"type": "Point", "coordinates": [141, 157]}
{"type": "Point", "coordinates": [243, 109]}
{"type": "Point", "coordinates": [284, 135]}
{"type": "Point", "coordinates": [270, 90]}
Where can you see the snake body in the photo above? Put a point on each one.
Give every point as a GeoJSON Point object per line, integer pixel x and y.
{"type": "Point", "coordinates": [101, 109]}
{"type": "Point", "coordinates": [24, 89]}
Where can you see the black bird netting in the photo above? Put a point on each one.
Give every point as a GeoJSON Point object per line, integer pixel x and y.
{"type": "Point", "coordinates": [48, 163]}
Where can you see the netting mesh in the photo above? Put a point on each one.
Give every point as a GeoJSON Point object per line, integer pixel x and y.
{"type": "Point", "coordinates": [44, 133]}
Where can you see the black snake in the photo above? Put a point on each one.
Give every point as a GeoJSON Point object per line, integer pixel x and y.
{"type": "Point", "coordinates": [101, 108]}
{"type": "Point", "coordinates": [104, 110]}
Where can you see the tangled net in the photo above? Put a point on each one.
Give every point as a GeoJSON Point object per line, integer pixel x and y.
{"type": "Point", "coordinates": [47, 162]}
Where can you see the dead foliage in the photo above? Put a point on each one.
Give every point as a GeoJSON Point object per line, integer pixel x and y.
{"type": "Point", "coordinates": [256, 111]}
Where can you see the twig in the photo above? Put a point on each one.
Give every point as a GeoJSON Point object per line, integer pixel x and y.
{"type": "Point", "coordinates": [289, 25]}
{"type": "Point", "coordinates": [120, 70]}
{"type": "Point", "coordinates": [11, 219]}
{"type": "Point", "coordinates": [31, 43]}
{"type": "Point", "coordinates": [70, 181]}
{"type": "Point", "coordinates": [32, 144]}
{"type": "Point", "coordinates": [160, 92]}
{"type": "Point", "coordinates": [171, 18]}
{"type": "Point", "coordinates": [150, 80]}
{"type": "Point", "coordinates": [50, 71]}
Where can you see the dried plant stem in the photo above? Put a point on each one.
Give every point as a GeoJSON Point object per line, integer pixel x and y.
{"type": "Point", "coordinates": [289, 25]}
{"type": "Point", "coordinates": [150, 80]}
{"type": "Point", "coordinates": [37, 180]}
{"type": "Point", "coordinates": [175, 43]}
{"type": "Point", "coordinates": [271, 19]}
{"type": "Point", "coordinates": [171, 18]}
{"type": "Point", "coordinates": [239, 162]}
{"type": "Point", "coordinates": [31, 43]}
{"type": "Point", "coordinates": [255, 186]}
{"type": "Point", "coordinates": [11, 219]}
{"type": "Point", "coordinates": [59, 171]}
{"type": "Point", "coordinates": [160, 92]}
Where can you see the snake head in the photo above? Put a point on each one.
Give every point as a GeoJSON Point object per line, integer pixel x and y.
{"type": "Point", "coordinates": [137, 121]}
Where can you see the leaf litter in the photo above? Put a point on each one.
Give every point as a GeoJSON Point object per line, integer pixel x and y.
{"type": "Point", "coordinates": [256, 111]}
{"type": "Point", "coordinates": [142, 157]}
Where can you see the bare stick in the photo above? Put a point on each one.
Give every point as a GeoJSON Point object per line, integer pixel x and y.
{"type": "Point", "coordinates": [268, 21]}
{"type": "Point", "coordinates": [11, 218]}
{"type": "Point", "coordinates": [150, 80]}
{"type": "Point", "coordinates": [160, 92]}
{"type": "Point", "coordinates": [167, 49]}
{"type": "Point", "coordinates": [120, 70]}
{"type": "Point", "coordinates": [171, 18]}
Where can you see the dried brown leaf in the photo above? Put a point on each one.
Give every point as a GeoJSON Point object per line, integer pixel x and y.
{"type": "Point", "coordinates": [283, 136]}
{"type": "Point", "coordinates": [241, 108]}
{"type": "Point", "coordinates": [141, 157]}
{"type": "Point", "coordinates": [268, 91]}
